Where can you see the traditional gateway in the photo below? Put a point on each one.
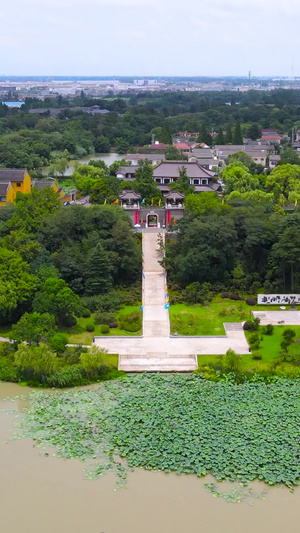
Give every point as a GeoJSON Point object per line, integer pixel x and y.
{"type": "Point", "coordinates": [164, 174]}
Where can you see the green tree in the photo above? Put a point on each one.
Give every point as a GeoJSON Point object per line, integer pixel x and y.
{"type": "Point", "coordinates": [220, 139]}
{"type": "Point", "coordinates": [32, 209]}
{"type": "Point", "coordinates": [237, 135]}
{"type": "Point", "coordinates": [172, 154]}
{"type": "Point", "coordinates": [58, 342]}
{"type": "Point", "coordinates": [122, 145]}
{"type": "Point", "coordinates": [34, 328]}
{"type": "Point", "coordinates": [286, 251]}
{"type": "Point", "coordinates": [17, 285]}
{"type": "Point", "coordinates": [232, 361]}
{"type": "Point", "coordinates": [56, 298]}
{"type": "Point", "coordinates": [144, 182]}
{"type": "Point", "coordinates": [204, 136]}
{"type": "Point", "coordinates": [182, 184]}
{"type": "Point", "coordinates": [237, 178]}
{"type": "Point", "coordinates": [39, 358]}
{"type": "Point", "coordinates": [102, 144]}
{"type": "Point", "coordinates": [289, 157]}
{"type": "Point", "coordinates": [59, 167]}
{"type": "Point", "coordinates": [98, 277]}
{"type": "Point", "coordinates": [203, 204]}
{"type": "Point", "coordinates": [92, 360]}
{"type": "Point", "coordinates": [228, 136]}
{"type": "Point", "coordinates": [129, 262]}
{"type": "Point", "coordinates": [254, 131]}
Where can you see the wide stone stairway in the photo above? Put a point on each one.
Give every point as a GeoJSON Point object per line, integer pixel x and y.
{"type": "Point", "coordinates": [156, 350]}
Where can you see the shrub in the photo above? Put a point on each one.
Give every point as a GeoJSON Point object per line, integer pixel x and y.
{"type": "Point", "coordinates": [131, 323]}
{"type": "Point", "coordinates": [252, 324]}
{"type": "Point", "coordinates": [257, 357]}
{"type": "Point", "coordinates": [67, 377]}
{"type": "Point", "coordinates": [234, 296]}
{"type": "Point", "coordinates": [104, 329]}
{"type": "Point", "coordinates": [268, 329]}
{"type": "Point", "coordinates": [86, 313]}
{"type": "Point", "coordinates": [69, 321]}
{"type": "Point", "coordinates": [92, 360]}
{"type": "Point", "coordinates": [104, 318]}
{"type": "Point", "coordinates": [251, 301]}
{"type": "Point", "coordinates": [232, 361]}
{"type": "Point", "coordinates": [225, 295]}
{"type": "Point", "coordinates": [58, 342]}
{"type": "Point", "coordinates": [90, 326]}
{"type": "Point", "coordinates": [113, 325]}
{"type": "Point", "coordinates": [254, 341]}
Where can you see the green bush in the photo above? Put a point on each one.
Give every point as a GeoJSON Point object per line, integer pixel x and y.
{"type": "Point", "coordinates": [131, 323]}
{"type": "Point", "coordinates": [90, 326]}
{"type": "Point", "coordinates": [104, 318]}
{"type": "Point", "coordinates": [186, 323]}
{"type": "Point", "coordinates": [69, 321]}
{"type": "Point", "coordinates": [86, 313]}
{"type": "Point", "coordinates": [58, 342]}
{"type": "Point", "coordinates": [254, 341]}
{"type": "Point", "coordinates": [252, 324]}
{"type": "Point", "coordinates": [268, 329]}
{"type": "Point", "coordinates": [68, 377]}
{"type": "Point", "coordinates": [104, 329]}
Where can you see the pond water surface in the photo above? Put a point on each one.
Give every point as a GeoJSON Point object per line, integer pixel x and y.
{"type": "Point", "coordinates": [109, 159]}
{"type": "Point", "coordinates": [40, 494]}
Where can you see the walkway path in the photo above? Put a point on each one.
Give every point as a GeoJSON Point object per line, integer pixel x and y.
{"type": "Point", "coordinates": [156, 350]}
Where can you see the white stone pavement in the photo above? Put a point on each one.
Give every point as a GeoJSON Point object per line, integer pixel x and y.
{"type": "Point", "coordinates": [287, 318]}
{"type": "Point", "coordinates": [156, 350]}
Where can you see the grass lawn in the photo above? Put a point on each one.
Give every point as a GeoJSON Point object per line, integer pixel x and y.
{"type": "Point", "coordinates": [79, 335]}
{"type": "Point", "coordinates": [269, 351]}
{"type": "Point", "coordinates": [5, 331]}
{"type": "Point", "coordinates": [199, 320]}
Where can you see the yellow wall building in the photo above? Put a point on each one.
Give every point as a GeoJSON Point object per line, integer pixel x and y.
{"type": "Point", "coordinates": [13, 181]}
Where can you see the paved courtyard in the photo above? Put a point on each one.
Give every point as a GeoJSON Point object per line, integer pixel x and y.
{"type": "Point", "coordinates": [156, 350]}
{"type": "Point", "coordinates": [288, 318]}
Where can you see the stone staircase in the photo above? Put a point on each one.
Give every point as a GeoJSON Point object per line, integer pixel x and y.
{"type": "Point", "coordinates": [158, 362]}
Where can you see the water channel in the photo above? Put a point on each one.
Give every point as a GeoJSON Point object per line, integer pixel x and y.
{"type": "Point", "coordinates": [40, 494]}
{"type": "Point", "coordinates": [109, 159]}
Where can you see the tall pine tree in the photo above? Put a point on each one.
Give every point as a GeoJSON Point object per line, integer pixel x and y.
{"type": "Point", "coordinates": [203, 136]}
{"type": "Point", "coordinates": [220, 139]}
{"type": "Point", "coordinates": [228, 136]}
{"type": "Point", "coordinates": [98, 278]}
{"type": "Point", "coordinates": [237, 136]}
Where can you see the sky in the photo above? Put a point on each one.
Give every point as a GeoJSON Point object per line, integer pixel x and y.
{"type": "Point", "coordinates": [149, 37]}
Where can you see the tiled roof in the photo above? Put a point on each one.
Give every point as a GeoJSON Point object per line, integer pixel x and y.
{"type": "Point", "coordinates": [3, 189]}
{"type": "Point", "coordinates": [170, 169]}
{"type": "Point", "coordinates": [12, 174]}
{"type": "Point", "coordinates": [150, 157]}
{"type": "Point", "coordinates": [158, 146]}
{"type": "Point", "coordinates": [207, 188]}
{"type": "Point", "coordinates": [129, 195]}
{"type": "Point", "coordinates": [174, 195]}
{"type": "Point", "coordinates": [182, 146]}
{"type": "Point", "coordinates": [42, 184]}
{"type": "Point", "coordinates": [130, 169]}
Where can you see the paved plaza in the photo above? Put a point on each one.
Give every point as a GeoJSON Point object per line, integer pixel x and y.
{"type": "Point", "coordinates": [287, 318]}
{"type": "Point", "coordinates": [156, 350]}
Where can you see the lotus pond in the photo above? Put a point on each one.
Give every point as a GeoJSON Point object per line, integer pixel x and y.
{"type": "Point", "coordinates": [174, 423]}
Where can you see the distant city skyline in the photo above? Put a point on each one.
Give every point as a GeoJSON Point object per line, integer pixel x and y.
{"type": "Point", "coordinates": [150, 38]}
